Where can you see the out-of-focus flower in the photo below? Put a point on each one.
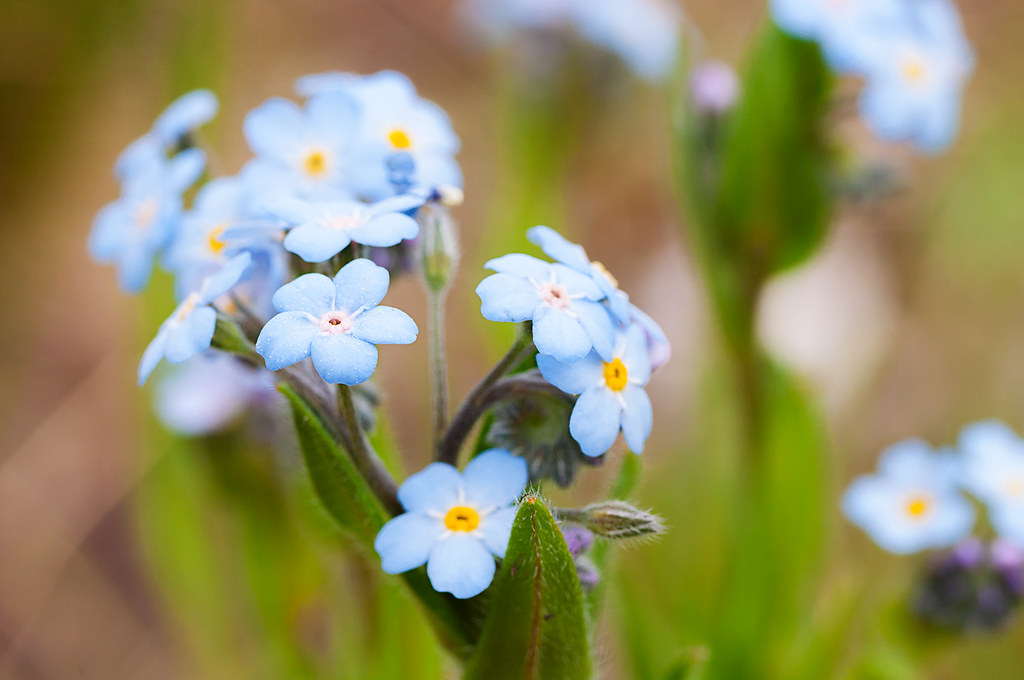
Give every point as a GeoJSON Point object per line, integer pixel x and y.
{"type": "Point", "coordinates": [306, 152]}
{"type": "Point", "coordinates": [612, 395]}
{"type": "Point", "coordinates": [913, 502]}
{"type": "Point", "coordinates": [338, 323]}
{"type": "Point", "coordinates": [714, 87]}
{"type": "Point", "coordinates": [455, 523]}
{"type": "Point", "coordinates": [916, 78]}
{"type": "Point", "coordinates": [394, 122]}
{"type": "Point", "coordinates": [209, 393]}
{"type": "Point", "coordinates": [169, 132]}
{"type": "Point", "coordinates": [133, 230]}
{"type": "Point", "coordinates": [568, 320]}
{"type": "Point", "coordinates": [993, 470]}
{"type": "Point", "coordinates": [189, 330]}
{"type": "Point", "coordinates": [322, 229]}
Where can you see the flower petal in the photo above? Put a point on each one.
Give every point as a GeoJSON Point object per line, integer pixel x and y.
{"type": "Point", "coordinates": [594, 421]}
{"type": "Point", "coordinates": [286, 339]}
{"type": "Point", "coordinates": [360, 284]}
{"type": "Point", "coordinates": [557, 247]}
{"type": "Point", "coordinates": [635, 357]}
{"type": "Point", "coordinates": [522, 265]}
{"type": "Point", "coordinates": [496, 528]}
{"type": "Point", "coordinates": [235, 270]}
{"type": "Point", "coordinates": [154, 353]}
{"type": "Point", "coordinates": [385, 230]}
{"type": "Point", "coordinates": [637, 417]}
{"type": "Point", "coordinates": [311, 293]}
{"type": "Point", "coordinates": [460, 564]}
{"type": "Point", "coordinates": [596, 321]}
{"type": "Point", "coordinates": [435, 488]}
{"type": "Point", "coordinates": [404, 543]}
{"type": "Point", "coordinates": [558, 333]}
{"type": "Point", "coordinates": [508, 298]}
{"type": "Point", "coordinates": [192, 336]}
{"type": "Point", "coordinates": [342, 359]}
{"type": "Point", "coordinates": [315, 243]}
{"type": "Point", "coordinates": [575, 377]}
{"type": "Point", "coordinates": [385, 326]}
{"type": "Point", "coordinates": [495, 477]}
{"type": "Point", "coordinates": [273, 128]}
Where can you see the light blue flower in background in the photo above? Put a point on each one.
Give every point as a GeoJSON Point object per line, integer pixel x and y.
{"type": "Point", "coordinates": [913, 502]}
{"type": "Point", "coordinates": [659, 350]}
{"type": "Point", "coordinates": [612, 395]}
{"type": "Point", "coordinates": [568, 320]}
{"type": "Point", "coordinates": [189, 330]}
{"type": "Point", "coordinates": [498, 20]}
{"type": "Point", "coordinates": [133, 230]}
{"type": "Point", "coordinates": [455, 523]}
{"type": "Point", "coordinates": [915, 81]}
{"type": "Point", "coordinates": [394, 122]}
{"type": "Point", "coordinates": [644, 33]}
{"type": "Point", "coordinates": [209, 393]}
{"type": "Point", "coordinates": [993, 470]}
{"type": "Point", "coordinates": [321, 230]}
{"type": "Point", "coordinates": [338, 323]}
{"type": "Point", "coordinates": [303, 151]}
{"type": "Point", "coordinates": [558, 248]}
{"type": "Point", "coordinates": [181, 118]}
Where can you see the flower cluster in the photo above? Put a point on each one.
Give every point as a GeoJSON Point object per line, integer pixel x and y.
{"type": "Point", "coordinates": [912, 54]}
{"type": "Point", "coordinates": [916, 500]}
{"type": "Point", "coordinates": [643, 33]}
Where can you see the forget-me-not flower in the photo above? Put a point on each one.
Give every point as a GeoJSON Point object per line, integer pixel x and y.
{"type": "Point", "coordinates": [322, 229]}
{"type": "Point", "coordinates": [993, 470]}
{"type": "Point", "coordinates": [916, 78]}
{"type": "Point", "coordinates": [303, 151]}
{"type": "Point", "coordinates": [189, 330]}
{"type": "Point", "coordinates": [395, 125]}
{"type": "Point", "coordinates": [338, 323]}
{"type": "Point", "coordinates": [455, 523]}
{"type": "Point", "coordinates": [568, 320]}
{"type": "Point", "coordinates": [644, 33]}
{"type": "Point", "coordinates": [133, 230]}
{"type": "Point", "coordinates": [178, 120]}
{"type": "Point", "coordinates": [913, 502]}
{"type": "Point", "coordinates": [612, 395]}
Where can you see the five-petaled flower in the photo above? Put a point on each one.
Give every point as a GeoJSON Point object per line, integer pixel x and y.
{"type": "Point", "coordinates": [913, 502]}
{"type": "Point", "coordinates": [338, 323]}
{"type": "Point", "coordinates": [993, 470]}
{"type": "Point", "coordinates": [568, 320]}
{"type": "Point", "coordinates": [189, 330]}
{"type": "Point", "coordinates": [612, 395]}
{"type": "Point", "coordinates": [455, 523]}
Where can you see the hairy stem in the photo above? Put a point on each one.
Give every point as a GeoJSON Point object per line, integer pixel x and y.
{"type": "Point", "coordinates": [365, 458]}
{"type": "Point", "coordinates": [438, 365]}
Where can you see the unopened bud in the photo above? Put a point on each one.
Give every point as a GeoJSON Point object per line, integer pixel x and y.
{"type": "Point", "coordinates": [714, 87]}
{"type": "Point", "coordinates": [615, 519]}
{"type": "Point", "coordinates": [438, 246]}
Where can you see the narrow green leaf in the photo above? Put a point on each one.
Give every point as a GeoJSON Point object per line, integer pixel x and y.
{"type": "Point", "coordinates": [535, 629]}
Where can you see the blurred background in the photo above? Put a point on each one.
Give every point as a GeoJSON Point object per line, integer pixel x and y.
{"type": "Point", "coordinates": [908, 323]}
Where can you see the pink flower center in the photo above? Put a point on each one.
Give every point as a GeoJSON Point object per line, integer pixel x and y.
{"type": "Point", "coordinates": [554, 295]}
{"type": "Point", "coordinates": [335, 322]}
{"type": "Point", "coordinates": [345, 222]}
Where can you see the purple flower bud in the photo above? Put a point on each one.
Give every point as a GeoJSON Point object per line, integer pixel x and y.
{"type": "Point", "coordinates": [968, 553]}
{"type": "Point", "coordinates": [714, 87]}
{"type": "Point", "coordinates": [578, 539]}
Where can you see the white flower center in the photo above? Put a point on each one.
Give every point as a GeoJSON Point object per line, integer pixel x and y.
{"type": "Point", "coordinates": [554, 295]}
{"type": "Point", "coordinates": [343, 222]}
{"type": "Point", "coordinates": [335, 322]}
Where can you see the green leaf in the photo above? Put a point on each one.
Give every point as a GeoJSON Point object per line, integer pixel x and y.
{"type": "Point", "coordinates": [535, 629]}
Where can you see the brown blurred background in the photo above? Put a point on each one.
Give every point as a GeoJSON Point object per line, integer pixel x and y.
{"type": "Point", "coordinates": [910, 322]}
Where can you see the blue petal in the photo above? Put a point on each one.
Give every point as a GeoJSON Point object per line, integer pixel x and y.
{"type": "Point", "coordinates": [186, 113]}
{"type": "Point", "coordinates": [154, 353]}
{"type": "Point", "coordinates": [385, 326]}
{"type": "Point", "coordinates": [342, 359]}
{"type": "Point", "coordinates": [525, 266]}
{"type": "Point", "coordinates": [403, 203]}
{"type": "Point", "coordinates": [558, 248]}
{"type": "Point", "coordinates": [404, 543]}
{"type": "Point", "coordinates": [435, 488]}
{"type": "Point", "coordinates": [360, 284]}
{"type": "Point", "coordinates": [236, 269]}
{"type": "Point", "coordinates": [460, 564]}
{"type": "Point", "coordinates": [106, 237]}
{"type": "Point", "coordinates": [637, 417]}
{"type": "Point", "coordinates": [495, 529]}
{"type": "Point", "coordinates": [385, 230]}
{"type": "Point", "coordinates": [577, 283]}
{"type": "Point", "coordinates": [289, 209]}
{"type": "Point", "coordinates": [316, 243]}
{"type": "Point", "coordinates": [495, 477]}
{"type": "Point", "coordinates": [184, 169]}
{"type": "Point", "coordinates": [312, 293]}
{"type": "Point", "coordinates": [273, 129]}
{"type": "Point", "coordinates": [558, 333]}
{"type": "Point", "coordinates": [596, 321]}
{"type": "Point", "coordinates": [192, 335]}
{"type": "Point", "coordinates": [575, 377]}
{"type": "Point", "coordinates": [635, 357]}
{"type": "Point", "coordinates": [286, 339]}
{"type": "Point", "coordinates": [594, 422]}
{"type": "Point", "coordinates": [508, 298]}
{"type": "Point", "coordinates": [333, 117]}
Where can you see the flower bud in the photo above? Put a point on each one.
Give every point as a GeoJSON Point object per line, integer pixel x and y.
{"type": "Point", "coordinates": [438, 246]}
{"type": "Point", "coordinates": [714, 87]}
{"type": "Point", "coordinates": [615, 519]}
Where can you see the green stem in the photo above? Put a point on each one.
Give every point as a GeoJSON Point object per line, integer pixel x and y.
{"type": "Point", "coordinates": [472, 406]}
{"type": "Point", "coordinates": [365, 459]}
{"type": "Point", "coordinates": [438, 365]}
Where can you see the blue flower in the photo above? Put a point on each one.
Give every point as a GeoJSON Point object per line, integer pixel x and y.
{"type": "Point", "coordinates": [402, 139]}
{"type": "Point", "coordinates": [455, 524]}
{"type": "Point", "coordinates": [337, 322]}
{"type": "Point", "coordinates": [916, 79]}
{"type": "Point", "coordinates": [913, 502]}
{"type": "Point", "coordinates": [659, 350]}
{"type": "Point", "coordinates": [321, 230]}
{"type": "Point", "coordinates": [189, 330]}
{"type": "Point", "coordinates": [177, 121]}
{"type": "Point", "coordinates": [644, 33]}
{"type": "Point", "coordinates": [612, 396]}
{"type": "Point", "coordinates": [562, 303]}
{"type": "Point", "coordinates": [993, 470]}
{"type": "Point", "coordinates": [558, 248]}
{"type": "Point", "coordinates": [303, 151]}
{"type": "Point", "coordinates": [133, 230]}
{"type": "Point", "coordinates": [209, 393]}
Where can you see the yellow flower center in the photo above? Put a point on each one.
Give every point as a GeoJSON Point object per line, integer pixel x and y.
{"type": "Point", "coordinates": [1015, 487]}
{"type": "Point", "coordinates": [315, 163]}
{"type": "Point", "coordinates": [461, 518]}
{"type": "Point", "coordinates": [914, 70]}
{"type": "Point", "coordinates": [146, 213]}
{"type": "Point", "coordinates": [615, 374]}
{"type": "Point", "coordinates": [399, 139]}
{"type": "Point", "coordinates": [213, 239]}
{"type": "Point", "coordinates": [605, 273]}
{"type": "Point", "coordinates": [186, 307]}
{"type": "Point", "coordinates": [919, 506]}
